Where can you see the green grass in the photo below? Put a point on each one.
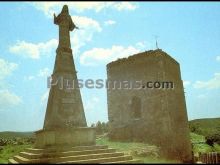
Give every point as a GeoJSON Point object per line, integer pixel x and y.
{"type": "Point", "coordinates": [129, 148]}
{"type": "Point", "coordinates": [120, 146]}
{"type": "Point", "coordinates": [198, 141]}
{"type": "Point", "coordinates": [202, 128]}
{"type": "Point", "coordinates": [199, 145]}
{"type": "Point", "coordinates": [195, 138]}
{"type": "Point", "coordinates": [9, 151]}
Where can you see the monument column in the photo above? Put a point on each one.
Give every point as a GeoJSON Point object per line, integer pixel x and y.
{"type": "Point", "coordinates": [65, 121]}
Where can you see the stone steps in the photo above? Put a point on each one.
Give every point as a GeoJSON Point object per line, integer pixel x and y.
{"type": "Point", "coordinates": [81, 154]}
{"type": "Point", "coordinates": [12, 161]}
{"type": "Point", "coordinates": [133, 161]}
{"type": "Point", "coordinates": [67, 158]}
{"type": "Point", "coordinates": [65, 153]}
{"type": "Point", "coordinates": [63, 149]}
{"type": "Point", "coordinates": [101, 160]}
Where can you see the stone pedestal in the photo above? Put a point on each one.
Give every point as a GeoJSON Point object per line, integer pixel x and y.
{"type": "Point", "coordinates": [80, 136]}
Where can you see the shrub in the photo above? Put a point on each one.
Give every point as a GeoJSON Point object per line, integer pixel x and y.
{"type": "Point", "coordinates": [211, 139]}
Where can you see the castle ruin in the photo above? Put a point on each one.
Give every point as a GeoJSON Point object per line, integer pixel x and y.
{"type": "Point", "coordinates": [152, 115]}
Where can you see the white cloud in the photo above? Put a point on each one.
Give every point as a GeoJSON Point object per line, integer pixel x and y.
{"type": "Point", "coordinates": [140, 44]}
{"type": "Point", "coordinates": [34, 51]}
{"type": "Point", "coordinates": [186, 83]}
{"type": "Point", "coordinates": [109, 22]}
{"type": "Point", "coordinates": [8, 99]}
{"type": "Point", "coordinates": [86, 23]}
{"type": "Point", "coordinates": [54, 7]}
{"type": "Point", "coordinates": [92, 103]}
{"type": "Point", "coordinates": [144, 45]}
{"type": "Point", "coordinates": [6, 68]}
{"type": "Point", "coordinates": [213, 83]}
{"type": "Point", "coordinates": [202, 96]}
{"type": "Point", "coordinates": [87, 28]}
{"type": "Point", "coordinates": [28, 78]}
{"type": "Point", "coordinates": [218, 58]}
{"type": "Point", "coordinates": [44, 97]}
{"type": "Point", "coordinates": [125, 6]}
{"type": "Point", "coordinates": [44, 72]}
{"type": "Point", "coordinates": [98, 56]}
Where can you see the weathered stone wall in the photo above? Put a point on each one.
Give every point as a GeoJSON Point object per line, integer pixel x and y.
{"type": "Point", "coordinates": [64, 107]}
{"type": "Point", "coordinates": [156, 116]}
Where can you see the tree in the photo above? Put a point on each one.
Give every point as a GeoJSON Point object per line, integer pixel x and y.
{"type": "Point", "coordinates": [99, 128]}
{"type": "Point", "coordinates": [213, 138]}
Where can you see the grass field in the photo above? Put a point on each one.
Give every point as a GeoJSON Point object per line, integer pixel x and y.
{"type": "Point", "coordinates": [200, 127]}
{"type": "Point", "coordinates": [131, 148]}
{"type": "Point", "coordinates": [199, 144]}
{"type": "Point", "coordinates": [9, 151]}
{"type": "Point", "coordinates": [198, 141]}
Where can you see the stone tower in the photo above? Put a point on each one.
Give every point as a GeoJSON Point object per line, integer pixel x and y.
{"type": "Point", "coordinates": [153, 115]}
{"type": "Point", "coordinates": [65, 122]}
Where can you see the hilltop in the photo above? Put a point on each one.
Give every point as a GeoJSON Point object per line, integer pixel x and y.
{"type": "Point", "coordinates": [205, 126]}
{"type": "Point", "coordinates": [9, 134]}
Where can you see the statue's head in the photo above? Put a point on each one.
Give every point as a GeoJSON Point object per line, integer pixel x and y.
{"type": "Point", "coordinates": [65, 9]}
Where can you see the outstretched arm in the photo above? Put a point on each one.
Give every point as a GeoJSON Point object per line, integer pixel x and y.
{"type": "Point", "coordinates": [55, 18]}
{"type": "Point", "coordinates": [72, 26]}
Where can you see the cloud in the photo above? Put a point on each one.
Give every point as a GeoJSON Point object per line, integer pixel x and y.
{"type": "Point", "coordinates": [87, 28]}
{"type": "Point", "coordinates": [44, 72]}
{"type": "Point", "coordinates": [98, 56]}
{"type": "Point", "coordinates": [92, 103]}
{"type": "Point", "coordinates": [48, 8]}
{"type": "Point", "coordinates": [29, 78]}
{"type": "Point", "coordinates": [79, 38]}
{"type": "Point", "coordinates": [144, 45]}
{"type": "Point", "coordinates": [8, 99]}
{"type": "Point", "coordinates": [87, 23]}
{"type": "Point", "coordinates": [109, 22]}
{"type": "Point", "coordinates": [213, 83]}
{"type": "Point", "coordinates": [44, 97]}
{"type": "Point", "coordinates": [32, 50]}
{"type": "Point", "coordinates": [186, 83]}
{"type": "Point", "coordinates": [218, 58]}
{"type": "Point", "coordinates": [6, 68]}
{"type": "Point", "coordinates": [202, 96]}
{"type": "Point", "coordinates": [124, 6]}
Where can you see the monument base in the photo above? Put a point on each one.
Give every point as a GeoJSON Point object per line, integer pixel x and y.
{"type": "Point", "coordinates": [81, 136]}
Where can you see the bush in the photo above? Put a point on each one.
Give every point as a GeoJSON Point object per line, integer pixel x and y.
{"type": "Point", "coordinates": [101, 127]}
{"type": "Point", "coordinates": [211, 139]}
{"type": "Point", "coordinates": [16, 141]}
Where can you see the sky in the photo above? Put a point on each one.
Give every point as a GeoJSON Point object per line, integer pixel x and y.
{"type": "Point", "coordinates": [188, 31]}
